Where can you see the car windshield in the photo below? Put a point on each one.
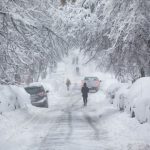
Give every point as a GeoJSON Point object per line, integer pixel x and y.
{"type": "Point", "coordinates": [34, 90]}
{"type": "Point", "coordinates": [91, 78]}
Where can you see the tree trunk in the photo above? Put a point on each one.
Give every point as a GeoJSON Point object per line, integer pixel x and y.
{"type": "Point", "coordinates": [142, 72]}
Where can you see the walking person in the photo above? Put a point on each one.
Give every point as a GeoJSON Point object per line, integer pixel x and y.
{"type": "Point", "coordinates": [77, 71]}
{"type": "Point", "coordinates": [68, 83]}
{"type": "Point", "coordinates": [85, 91]}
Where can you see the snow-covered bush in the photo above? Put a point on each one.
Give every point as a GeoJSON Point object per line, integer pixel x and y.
{"type": "Point", "coordinates": [12, 98]}
{"type": "Point", "coordinates": [138, 102]}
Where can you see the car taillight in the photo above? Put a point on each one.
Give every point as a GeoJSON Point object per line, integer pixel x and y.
{"type": "Point", "coordinates": [97, 83]}
{"type": "Point", "coordinates": [41, 94]}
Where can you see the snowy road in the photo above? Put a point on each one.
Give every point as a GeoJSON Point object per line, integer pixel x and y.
{"type": "Point", "coordinates": [67, 125]}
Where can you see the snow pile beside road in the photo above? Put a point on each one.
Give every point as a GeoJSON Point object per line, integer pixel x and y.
{"type": "Point", "coordinates": [12, 98]}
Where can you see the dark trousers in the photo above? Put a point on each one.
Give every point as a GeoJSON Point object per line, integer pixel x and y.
{"type": "Point", "coordinates": [67, 87]}
{"type": "Point", "coordinates": [85, 100]}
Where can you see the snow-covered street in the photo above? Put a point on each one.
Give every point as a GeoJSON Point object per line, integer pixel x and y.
{"type": "Point", "coordinates": [74, 75]}
{"type": "Point", "coordinates": [67, 125]}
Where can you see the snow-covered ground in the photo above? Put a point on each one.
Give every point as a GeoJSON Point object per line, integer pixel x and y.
{"type": "Point", "coordinates": [67, 124]}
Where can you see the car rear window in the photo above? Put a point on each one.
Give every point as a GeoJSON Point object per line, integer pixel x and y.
{"type": "Point", "coordinates": [91, 78]}
{"type": "Point", "coordinates": [34, 90]}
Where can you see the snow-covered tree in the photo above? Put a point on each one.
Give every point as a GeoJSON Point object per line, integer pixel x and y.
{"type": "Point", "coordinates": [116, 33]}
{"type": "Point", "coordinates": [29, 41]}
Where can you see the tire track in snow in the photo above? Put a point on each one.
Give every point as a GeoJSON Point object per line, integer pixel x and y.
{"type": "Point", "coordinates": [55, 131]}
{"type": "Point", "coordinates": [93, 124]}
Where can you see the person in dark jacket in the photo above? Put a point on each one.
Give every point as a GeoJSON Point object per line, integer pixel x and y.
{"type": "Point", "coordinates": [85, 91]}
{"type": "Point", "coordinates": [68, 83]}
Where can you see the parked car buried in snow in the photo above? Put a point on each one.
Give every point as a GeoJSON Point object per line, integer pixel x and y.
{"type": "Point", "coordinates": [111, 91]}
{"type": "Point", "coordinates": [38, 95]}
{"type": "Point", "coordinates": [121, 96]}
{"type": "Point", "coordinates": [93, 83]}
{"type": "Point", "coordinates": [138, 103]}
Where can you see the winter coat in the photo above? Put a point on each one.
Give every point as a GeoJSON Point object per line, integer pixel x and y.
{"type": "Point", "coordinates": [68, 83]}
{"type": "Point", "coordinates": [85, 91]}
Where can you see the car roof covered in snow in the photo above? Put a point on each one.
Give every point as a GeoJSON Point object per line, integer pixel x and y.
{"type": "Point", "coordinates": [35, 84]}
{"type": "Point", "coordinates": [140, 89]}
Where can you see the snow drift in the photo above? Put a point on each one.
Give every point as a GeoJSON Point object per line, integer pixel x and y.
{"type": "Point", "coordinates": [12, 98]}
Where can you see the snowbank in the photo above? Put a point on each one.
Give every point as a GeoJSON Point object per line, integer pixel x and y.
{"type": "Point", "coordinates": [12, 98]}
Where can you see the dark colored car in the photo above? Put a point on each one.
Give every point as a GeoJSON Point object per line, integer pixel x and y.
{"type": "Point", "coordinates": [38, 95]}
{"type": "Point", "coordinates": [93, 83]}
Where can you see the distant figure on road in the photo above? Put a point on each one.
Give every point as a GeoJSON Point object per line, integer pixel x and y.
{"type": "Point", "coordinates": [77, 70]}
{"type": "Point", "coordinates": [68, 83]}
{"type": "Point", "coordinates": [85, 91]}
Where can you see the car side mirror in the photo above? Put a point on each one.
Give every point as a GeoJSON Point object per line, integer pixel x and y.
{"type": "Point", "coordinates": [47, 91]}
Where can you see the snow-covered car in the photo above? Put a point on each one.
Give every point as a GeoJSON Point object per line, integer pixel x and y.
{"type": "Point", "coordinates": [111, 91]}
{"type": "Point", "coordinates": [148, 113]}
{"type": "Point", "coordinates": [121, 97]}
{"type": "Point", "coordinates": [138, 103]}
{"type": "Point", "coordinates": [93, 83]}
{"type": "Point", "coordinates": [38, 95]}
